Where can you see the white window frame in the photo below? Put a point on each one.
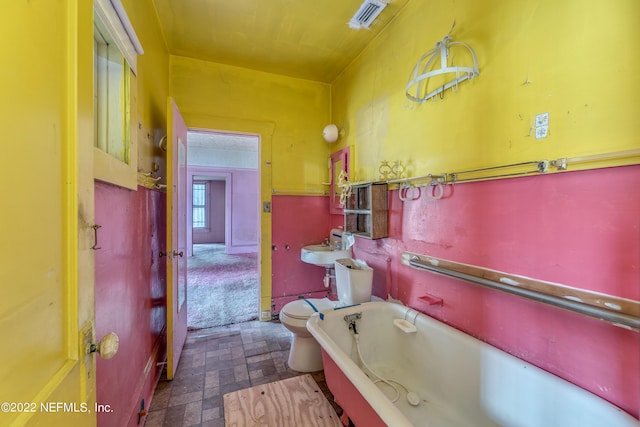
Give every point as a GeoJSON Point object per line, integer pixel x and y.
{"type": "Point", "coordinates": [108, 168]}
{"type": "Point", "coordinates": [206, 206]}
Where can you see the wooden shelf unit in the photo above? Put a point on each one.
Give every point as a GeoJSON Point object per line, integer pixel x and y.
{"type": "Point", "coordinates": [366, 212]}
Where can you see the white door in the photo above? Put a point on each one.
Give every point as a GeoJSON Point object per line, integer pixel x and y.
{"type": "Point", "coordinates": [176, 236]}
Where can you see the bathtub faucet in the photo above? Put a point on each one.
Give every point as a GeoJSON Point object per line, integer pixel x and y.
{"type": "Point", "coordinates": [351, 320]}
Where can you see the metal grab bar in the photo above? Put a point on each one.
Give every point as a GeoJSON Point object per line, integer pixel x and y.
{"type": "Point", "coordinates": [286, 192]}
{"type": "Point", "coordinates": [617, 318]}
{"type": "Point", "coordinates": [540, 167]}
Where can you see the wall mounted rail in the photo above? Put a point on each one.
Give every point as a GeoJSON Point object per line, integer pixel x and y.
{"type": "Point", "coordinates": [621, 312]}
{"type": "Point", "coordinates": [288, 192]}
{"type": "Point", "coordinates": [562, 163]}
{"type": "Point", "coordinates": [502, 171]}
{"type": "Point", "coordinates": [508, 170]}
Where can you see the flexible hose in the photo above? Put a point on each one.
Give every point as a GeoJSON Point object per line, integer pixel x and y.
{"type": "Point", "coordinates": [380, 379]}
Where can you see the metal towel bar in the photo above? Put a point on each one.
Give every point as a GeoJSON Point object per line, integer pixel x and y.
{"type": "Point", "coordinates": [618, 318]}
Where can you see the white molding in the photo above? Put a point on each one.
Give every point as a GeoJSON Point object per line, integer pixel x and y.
{"type": "Point", "coordinates": [115, 18]}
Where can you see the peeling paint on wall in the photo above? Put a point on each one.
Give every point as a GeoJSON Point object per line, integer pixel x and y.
{"type": "Point", "coordinates": [372, 129]}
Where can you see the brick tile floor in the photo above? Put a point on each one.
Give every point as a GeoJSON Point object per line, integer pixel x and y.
{"type": "Point", "coordinates": [221, 360]}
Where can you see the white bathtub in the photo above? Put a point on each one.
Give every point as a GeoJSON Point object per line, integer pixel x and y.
{"type": "Point", "coordinates": [461, 381]}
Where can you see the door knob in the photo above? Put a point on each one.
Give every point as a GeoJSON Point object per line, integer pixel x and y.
{"type": "Point", "coordinates": [178, 254]}
{"type": "Point", "coordinates": [107, 347]}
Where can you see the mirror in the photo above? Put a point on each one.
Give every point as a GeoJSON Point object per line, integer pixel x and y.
{"type": "Point", "coordinates": [339, 163]}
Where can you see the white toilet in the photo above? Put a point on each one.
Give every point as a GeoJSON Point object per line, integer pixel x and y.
{"type": "Point", "coordinates": [353, 283]}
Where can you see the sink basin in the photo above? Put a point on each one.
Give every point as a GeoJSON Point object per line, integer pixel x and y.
{"type": "Point", "coordinates": [323, 255]}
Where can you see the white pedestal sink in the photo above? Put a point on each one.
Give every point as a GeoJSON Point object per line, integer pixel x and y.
{"type": "Point", "coordinates": [323, 255]}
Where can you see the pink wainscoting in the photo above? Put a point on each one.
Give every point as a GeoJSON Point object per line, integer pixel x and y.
{"type": "Point", "coordinates": [580, 229]}
{"type": "Point", "coordinates": [297, 221]}
{"type": "Point", "coordinates": [130, 297]}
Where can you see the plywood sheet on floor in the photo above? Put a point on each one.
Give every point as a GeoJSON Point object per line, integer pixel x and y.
{"type": "Point", "coordinates": [293, 402]}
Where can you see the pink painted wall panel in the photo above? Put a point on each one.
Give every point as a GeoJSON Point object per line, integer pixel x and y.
{"type": "Point", "coordinates": [245, 206]}
{"type": "Point", "coordinates": [130, 297]}
{"type": "Point", "coordinates": [297, 221]}
{"type": "Point", "coordinates": [242, 207]}
{"type": "Point", "coordinates": [217, 212]}
{"type": "Point", "coordinates": [580, 229]}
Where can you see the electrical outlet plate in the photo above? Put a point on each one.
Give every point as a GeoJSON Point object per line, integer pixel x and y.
{"type": "Point", "coordinates": [542, 132]}
{"type": "Point", "coordinates": [542, 125]}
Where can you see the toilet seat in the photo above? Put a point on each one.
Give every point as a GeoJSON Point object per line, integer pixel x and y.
{"type": "Point", "coordinates": [302, 310]}
{"type": "Point", "coordinates": [353, 283]}
{"type": "Point", "coordinates": [305, 354]}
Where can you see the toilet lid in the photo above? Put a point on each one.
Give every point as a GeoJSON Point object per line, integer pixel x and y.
{"type": "Point", "coordinates": [301, 309]}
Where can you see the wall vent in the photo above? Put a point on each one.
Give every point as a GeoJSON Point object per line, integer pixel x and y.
{"type": "Point", "coordinates": [368, 12]}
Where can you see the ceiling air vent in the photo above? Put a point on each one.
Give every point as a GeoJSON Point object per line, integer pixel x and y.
{"type": "Point", "coordinates": [367, 13]}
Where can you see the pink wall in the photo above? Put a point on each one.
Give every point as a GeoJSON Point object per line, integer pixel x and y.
{"type": "Point", "coordinates": [242, 207]}
{"type": "Point", "coordinates": [580, 229]}
{"type": "Point", "coordinates": [297, 221]}
{"type": "Point", "coordinates": [245, 206]}
{"type": "Point", "coordinates": [217, 212]}
{"type": "Point", "coordinates": [130, 297]}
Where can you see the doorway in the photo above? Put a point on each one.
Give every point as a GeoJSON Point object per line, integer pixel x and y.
{"type": "Point", "coordinates": [223, 275]}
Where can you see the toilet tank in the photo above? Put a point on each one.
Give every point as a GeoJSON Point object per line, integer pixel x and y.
{"type": "Point", "coordinates": [353, 281]}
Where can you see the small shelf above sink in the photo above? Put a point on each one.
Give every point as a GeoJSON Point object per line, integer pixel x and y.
{"type": "Point", "coordinates": [323, 255]}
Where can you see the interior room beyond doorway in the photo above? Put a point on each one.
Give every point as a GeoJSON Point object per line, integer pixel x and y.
{"type": "Point", "coordinates": [223, 283]}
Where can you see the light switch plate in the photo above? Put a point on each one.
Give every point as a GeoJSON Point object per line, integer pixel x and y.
{"type": "Point", "coordinates": [542, 119]}
{"type": "Point", "coordinates": [542, 125]}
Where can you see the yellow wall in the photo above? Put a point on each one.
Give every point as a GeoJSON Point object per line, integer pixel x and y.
{"type": "Point", "coordinates": [288, 114]}
{"type": "Point", "coordinates": [580, 61]}
{"type": "Point", "coordinates": [152, 84]}
{"type": "Point", "coordinates": [296, 109]}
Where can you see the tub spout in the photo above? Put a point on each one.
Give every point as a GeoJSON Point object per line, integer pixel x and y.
{"type": "Point", "coordinates": [351, 321]}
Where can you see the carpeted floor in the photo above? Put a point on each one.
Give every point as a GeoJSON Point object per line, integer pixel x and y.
{"type": "Point", "coordinates": [221, 289]}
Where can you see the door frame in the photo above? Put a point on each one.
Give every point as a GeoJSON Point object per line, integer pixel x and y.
{"type": "Point", "coordinates": [192, 171]}
{"type": "Point", "coordinates": [265, 131]}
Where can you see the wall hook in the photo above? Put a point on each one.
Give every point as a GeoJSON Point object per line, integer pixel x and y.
{"type": "Point", "coordinates": [95, 246]}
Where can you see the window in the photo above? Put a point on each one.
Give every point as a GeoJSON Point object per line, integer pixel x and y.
{"type": "Point", "coordinates": [200, 199]}
{"type": "Point", "coordinates": [111, 96]}
{"type": "Point", "coordinates": [115, 56]}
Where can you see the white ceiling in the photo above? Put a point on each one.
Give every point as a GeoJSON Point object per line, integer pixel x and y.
{"type": "Point", "coordinates": [222, 150]}
{"type": "Point", "coordinates": [223, 141]}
